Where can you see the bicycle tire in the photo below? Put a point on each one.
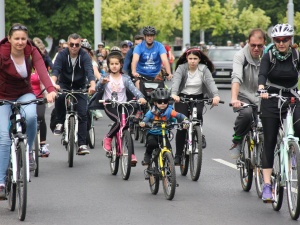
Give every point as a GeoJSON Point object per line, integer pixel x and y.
{"type": "Point", "coordinates": [114, 159]}
{"type": "Point", "coordinates": [37, 153]}
{"type": "Point", "coordinates": [259, 181]}
{"type": "Point", "coordinates": [11, 189]}
{"type": "Point", "coordinates": [277, 189]}
{"type": "Point", "coordinates": [184, 164]}
{"type": "Point", "coordinates": [127, 149]}
{"type": "Point", "coordinates": [91, 137]}
{"type": "Point", "coordinates": [71, 141]}
{"type": "Point", "coordinates": [168, 175]}
{"type": "Point", "coordinates": [141, 136]}
{"type": "Point", "coordinates": [293, 186]}
{"type": "Point", "coordinates": [196, 154]}
{"type": "Point", "coordinates": [21, 180]}
{"type": "Point", "coordinates": [246, 170]}
{"type": "Point", "coordinates": [154, 176]}
{"type": "Point", "coordinates": [136, 131]}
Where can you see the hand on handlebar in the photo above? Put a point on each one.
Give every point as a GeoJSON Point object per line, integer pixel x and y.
{"type": "Point", "coordinates": [176, 98]}
{"type": "Point", "coordinates": [216, 100]}
{"type": "Point", "coordinates": [135, 74]}
{"type": "Point", "coordinates": [142, 101]}
{"type": "Point", "coordinates": [185, 124]}
{"type": "Point", "coordinates": [51, 97]}
{"type": "Point", "coordinates": [142, 124]}
{"type": "Point", "coordinates": [170, 76]}
{"type": "Point", "coordinates": [236, 103]}
{"type": "Point", "coordinates": [92, 90]}
{"type": "Point", "coordinates": [57, 87]}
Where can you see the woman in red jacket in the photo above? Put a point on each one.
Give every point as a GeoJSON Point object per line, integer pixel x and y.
{"type": "Point", "coordinates": [17, 57]}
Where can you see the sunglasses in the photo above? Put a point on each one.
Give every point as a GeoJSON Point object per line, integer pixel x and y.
{"type": "Point", "coordinates": [17, 27]}
{"type": "Point", "coordinates": [162, 101]}
{"type": "Point", "coordinates": [283, 39]}
{"type": "Point", "coordinates": [76, 45]}
{"type": "Point", "coordinates": [254, 46]}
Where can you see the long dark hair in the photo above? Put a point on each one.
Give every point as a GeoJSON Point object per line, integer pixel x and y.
{"type": "Point", "coordinates": [197, 52]}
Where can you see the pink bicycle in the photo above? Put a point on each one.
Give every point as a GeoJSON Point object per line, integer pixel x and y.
{"type": "Point", "coordinates": [122, 144]}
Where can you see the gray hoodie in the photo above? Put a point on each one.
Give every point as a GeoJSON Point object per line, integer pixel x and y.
{"type": "Point", "coordinates": [246, 76]}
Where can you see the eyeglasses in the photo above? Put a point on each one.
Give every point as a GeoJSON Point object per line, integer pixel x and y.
{"type": "Point", "coordinates": [162, 101]}
{"type": "Point", "coordinates": [17, 27]}
{"type": "Point", "coordinates": [73, 44]}
{"type": "Point", "coordinates": [283, 39]}
{"type": "Point", "coordinates": [254, 46]}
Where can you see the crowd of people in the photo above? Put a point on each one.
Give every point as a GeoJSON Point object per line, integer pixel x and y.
{"type": "Point", "coordinates": [27, 66]}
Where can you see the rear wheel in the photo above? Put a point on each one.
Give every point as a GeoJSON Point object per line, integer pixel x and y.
{"type": "Point", "coordinates": [37, 153]}
{"type": "Point", "coordinates": [71, 141]}
{"type": "Point", "coordinates": [168, 175]}
{"type": "Point", "coordinates": [184, 165]}
{"type": "Point", "coordinates": [114, 159]}
{"type": "Point", "coordinates": [22, 180]}
{"type": "Point", "coordinates": [90, 137]}
{"type": "Point", "coordinates": [293, 183]}
{"type": "Point", "coordinates": [153, 177]}
{"type": "Point", "coordinates": [259, 181]}
{"type": "Point", "coordinates": [10, 189]}
{"type": "Point", "coordinates": [136, 131]}
{"type": "Point", "coordinates": [246, 171]}
{"type": "Point", "coordinates": [127, 149]}
{"type": "Point", "coordinates": [276, 188]}
{"type": "Point", "coordinates": [196, 154]}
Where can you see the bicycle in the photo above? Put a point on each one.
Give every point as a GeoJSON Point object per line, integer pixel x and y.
{"type": "Point", "coordinates": [286, 172]}
{"type": "Point", "coordinates": [161, 166]}
{"type": "Point", "coordinates": [192, 152]}
{"type": "Point", "coordinates": [70, 137]}
{"type": "Point", "coordinates": [122, 144]}
{"type": "Point", "coordinates": [18, 174]}
{"type": "Point", "coordinates": [251, 153]}
{"type": "Point", "coordinates": [37, 144]}
{"type": "Point", "coordinates": [90, 137]}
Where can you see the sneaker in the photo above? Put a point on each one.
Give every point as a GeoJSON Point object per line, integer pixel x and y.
{"type": "Point", "coordinates": [58, 129]}
{"type": "Point", "coordinates": [2, 192]}
{"type": "Point", "coordinates": [177, 160]}
{"type": "Point", "coordinates": [44, 151]}
{"type": "Point", "coordinates": [147, 158]}
{"type": "Point", "coordinates": [32, 164]}
{"type": "Point", "coordinates": [203, 141]}
{"type": "Point", "coordinates": [82, 150]}
{"type": "Point", "coordinates": [235, 150]}
{"type": "Point", "coordinates": [97, 114]}
{"type": "Point", "coordinates": [267, 193]}
{"type": "Point", "coordinates": [133, 160]}
{"type": "Point", "coordinates": [107, 144]}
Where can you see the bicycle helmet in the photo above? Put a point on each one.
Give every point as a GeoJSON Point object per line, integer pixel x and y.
{"type": "Point", "coordinates": [61, 41]}
{"type": "Point", "coordinates": [85, 44]}
{"type": "Point", "coordinates": [148, 30]}
{"type": "Point", "coordinates": [115, 49]}
{"type": "Point", "coordinates": [282, 30]}
{"type": "Point", "coordinates": [160, 93]}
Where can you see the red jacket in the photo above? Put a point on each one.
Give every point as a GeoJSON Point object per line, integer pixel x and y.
{"type": "Point", "coordinates": [12, 85]}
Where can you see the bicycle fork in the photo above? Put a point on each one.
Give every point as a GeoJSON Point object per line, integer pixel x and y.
{"type": "Point", "coordinates": [66, 126]}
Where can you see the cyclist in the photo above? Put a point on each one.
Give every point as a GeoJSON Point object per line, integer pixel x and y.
{"type": "Point", "coordinates": [192, 79]}
{"type": "Point", "coordinates": [160, 111]}
{"type": "Point", "coordinates": [17, 56]}
{"type": "Point", "coordinates": [280, 76]}
{"type": "Point", "coordinates": [246, 64]}
{"type": "Point", "coordinates": [71, 69]}
{"type": "Point", "coordinates": [115, 81]}
{"type": "Point", "coordinates": [149, 56]}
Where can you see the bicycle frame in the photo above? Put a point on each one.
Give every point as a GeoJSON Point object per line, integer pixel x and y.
{"type": "Point", "coordinates": [119, 134]}
{"type": "Point", "coordinates": [163, 149]}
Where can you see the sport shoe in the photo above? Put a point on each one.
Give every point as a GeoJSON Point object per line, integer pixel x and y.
{"type": "Point", "coordinates": [147, 158]}
{"type": "Point", "coordinates": [107, 144]}
{"type": "Point", "coordinates": [267, 193]}
{"type": "Point", "coordinates": [32, 164]}
{"type": "Point", "coordinates": [82, 150]}
{"type": "Point", "coordinates": [44, 151]}
{"type": "Point", "coordinates": [58, 129]}
{"type": "Point", "coordinates": [2, 192]}
{"type": "Point", "coordinates": [97, 114]}
{"type": "Point", "coordinates": [203, 141]}
{"type": "Point", "coordinates": [235, 150]}
{"type": "Point", "coordinates": [133, 160]}
{"type": "Point", "coordinates": [177, 160]}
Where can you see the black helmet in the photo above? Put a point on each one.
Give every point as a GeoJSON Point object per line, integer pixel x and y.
{"type": "Point", "coordinates": [149, 30]}
{"type": "Point", "coordinates": [160, 93]}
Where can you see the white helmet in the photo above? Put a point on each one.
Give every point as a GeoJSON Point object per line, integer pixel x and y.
{"type": "Point", "coordinates": [282, 30]}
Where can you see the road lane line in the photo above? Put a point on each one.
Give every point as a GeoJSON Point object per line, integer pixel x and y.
{"type": "Point", "coordinates": [226, 163]}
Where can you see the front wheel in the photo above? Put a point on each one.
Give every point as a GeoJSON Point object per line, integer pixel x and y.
{"type": "Point", "coordinates": [277, 189]}
{"type": "Point", "coordinates": [114, 158]}
{"type": "Point", "coordinates": [90, 136]}
{"type": "Point", "coordinates": [259, 181]}
{"type": "Point", "coordinates": [293, 181]}
{"type": "Point", "coordinates": [136, 131]}
{"type": "Point", "coordinates": [71, 141]}
{"type": "Point", "coordinates": [10, 189]}
{"type": "Point", "coordinates": [22, 180]}
{"type": "Point", "coordinates": [153, 176]}
{"type": "Point", "coordinates": [127, 149]}
{"type": "Point", "coordinates": [196, 154]}
{"type": "Point", "coordinates": [37, 153]}
{"type": "Point", "coordinates": [184, 165]}
{"type": "Point", "coordinates": [168, 175]}
{"type": "Point", "coordinates": [246, 171]}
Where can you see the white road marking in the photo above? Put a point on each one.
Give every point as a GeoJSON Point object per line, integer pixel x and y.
{"type": "Point", "coordinates": [226, 163]}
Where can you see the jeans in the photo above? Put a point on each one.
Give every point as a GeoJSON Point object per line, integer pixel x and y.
{"type": "Point", "coordinates": [29, 112]}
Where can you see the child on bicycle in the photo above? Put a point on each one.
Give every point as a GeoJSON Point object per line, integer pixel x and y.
{"type": "Point", "coordinates": [115, 82]}
{"type": "Point", "coordinates": [161, 111]}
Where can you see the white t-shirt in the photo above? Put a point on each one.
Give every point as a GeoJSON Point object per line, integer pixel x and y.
{"type": "Point", "coordinates": [21, 69]}
{"type": "Point", "coordinates": [117, 86]}
{"type": "Point", "coordinates": [193, 85]}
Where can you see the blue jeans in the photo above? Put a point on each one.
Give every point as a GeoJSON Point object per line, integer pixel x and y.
{"type": "Point", "coordinates": [29, 112]}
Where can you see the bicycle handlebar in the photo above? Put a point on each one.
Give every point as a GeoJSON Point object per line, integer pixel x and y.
{"type": "Point", "coordinates": [38, 101]}
{"type": "Point", "coordinates": [207, 101]}
{"type": "Point", "coordinates": [66, 91]}
{"type": "Point", "coordinates": [111, 101]}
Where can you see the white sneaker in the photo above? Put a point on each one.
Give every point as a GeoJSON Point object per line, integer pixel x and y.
{"type": "Point", "coordinates": [58, 129]}
{"type": "Point", "coordinates": [98, 114]}
{"type": "Point", "coordinates": [235, 151]}
{"type": "Point", "coordinates": [82, 150]}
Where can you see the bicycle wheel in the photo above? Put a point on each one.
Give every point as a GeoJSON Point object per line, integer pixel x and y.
{"type": "Point", "coordinates": [136, 131]}
{"type": "Point", "coordinates": [293, 183]}
{"type": "Point", "coordinates": [153, 176]}
{"type": "Point", "coordinates": [21, 180]}
{"type": "Point", "coordinates": [196, 154]}
{"type": "Point", "coordinates": [37, 153]}
{"type": "Point", "coordinates": [71, 141]}
{"type": "Point", "coordinates": [10, 189]}
{"type": "Point", "coordinates": [184, 165]}
{"type": "Point", "coordinates": [246, 171]}
{"type": "Point", "coordinates": [90, 136]}
{"type": "Point", "coordinates": [141, 136]}
{"type": "Point", "coordinates": [277, 189]}
{"type": "Point", "coordinates": [114, 159]}
{"type": "Point", "coordinates": [127, 149]}
{"type": "Point", "coordinates": [259, 181]}
{"type": "Point", "coordinates": [168, 175]}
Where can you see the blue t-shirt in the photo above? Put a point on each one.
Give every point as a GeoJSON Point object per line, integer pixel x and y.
{"type": "Point", "coordinates": [150, 62]}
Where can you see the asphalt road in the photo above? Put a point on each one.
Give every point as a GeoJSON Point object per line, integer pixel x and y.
{"type": "Point", "coordinates": [89, 194]}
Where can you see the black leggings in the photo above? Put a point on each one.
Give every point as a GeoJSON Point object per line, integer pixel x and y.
{"type": "Point", "coordinates": [40, 109]}
{"type": "Point", "coordinates": [153, 141]}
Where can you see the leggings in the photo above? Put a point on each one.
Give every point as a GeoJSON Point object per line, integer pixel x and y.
{"type": "Point", "coordinates": [40, 109]}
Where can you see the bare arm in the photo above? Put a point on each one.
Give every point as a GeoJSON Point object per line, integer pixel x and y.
{"type": "Point", "coordinates": [235, 89]}
{"type": "Point", "coordinates": [166, 63]}
{"type": "Point", "coordinates": [134, 62]}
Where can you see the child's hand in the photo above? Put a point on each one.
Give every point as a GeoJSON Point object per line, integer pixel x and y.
{"type": "Point", "coordinates": [185, 124]}
{"type": "Point", "coordinates": [105, 80]}
{"type": "Point", "coordinates": [142, 124]}
{"type": "Point", "coordinates": [142, 101]}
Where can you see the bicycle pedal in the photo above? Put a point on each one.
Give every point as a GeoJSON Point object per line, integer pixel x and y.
{"type": "Point", "coordinates": [268, 201]}
{"type": "Point", "coordinates": [108, 155]}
